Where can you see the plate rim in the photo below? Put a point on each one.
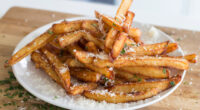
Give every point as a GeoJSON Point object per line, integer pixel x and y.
{"type": "Point", "coordinates": [38, 95]}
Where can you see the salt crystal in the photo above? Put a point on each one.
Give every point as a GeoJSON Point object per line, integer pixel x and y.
{"type": "Point", "coordinates": [63, 70]}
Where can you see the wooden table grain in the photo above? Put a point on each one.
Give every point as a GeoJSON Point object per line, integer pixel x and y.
{"type": "Point", "coordinates": [19, 21]}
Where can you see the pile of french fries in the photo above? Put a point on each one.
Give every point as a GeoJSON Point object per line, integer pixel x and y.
{"type": "Point", "coordinates": [105, 53]}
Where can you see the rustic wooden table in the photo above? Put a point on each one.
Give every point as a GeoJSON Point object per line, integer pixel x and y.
{"type": "Point", "coordinates": [18, 22]}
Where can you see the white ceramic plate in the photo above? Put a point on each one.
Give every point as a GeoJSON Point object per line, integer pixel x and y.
{"type": "Point", "coordinates": [41, 86]}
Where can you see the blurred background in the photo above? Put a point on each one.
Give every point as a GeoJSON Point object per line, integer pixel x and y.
{"type": "Point", "coordinates": [171, 13]}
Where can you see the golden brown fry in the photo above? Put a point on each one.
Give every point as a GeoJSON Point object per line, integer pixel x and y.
{"type": "Point", "coordinates": [91, 47]}
{"type": "Point", "coordinates": [60, 68]}
{"type": "Point", "coordinates": [149, 49]}
{"type": "Point", "coordinates": [129, 19]}
{"type": "Point", "coordinates": [69, 38]}
{"type": "Point", "coordinates": [118, 97]}
{"type": "Point", "coordinates": [100, 61]}
{"type": "Point", "coordinates": [73, 48]}
{"type": "Point", "coordinates": [141, 86]}
{"type": "Point", "coordinates": [71, 62]}
{"type": "Point", "coordinates": [37, 43]}
{"type": "Point", "coordinates": [192, 58]}
{"type": "Point", "coordinates": [129, 42]}
{"type": "Point", "coordinates": [122, 10]}
{"type": "Point", "coordinates": [91, 38]}
{"type": "Point", "coordinates": [92, 26]}
{"type": "Point", "coordinates": [65, 27]}
{"type": "Point", "coordinates": [111, 22]}
{"type": "Point", "coordinates": [42, 62]}
{"type": "Point", "coordinates": [171, 47]}
{"type": "Point", "coordinates": [85, 75]}
{"type": "Point", "coordinates": [125, 61]}
{"type": "Point", "coordinates": [129, 77]}
{"type": "Point", "coordinates": [87, 61]}
{"type": "Point", "coordinates": [79, 89]}
{"type": "Point", "coordinates": [110, 38]}
{"type": "Point", "coordinates": [119, 44]}
{"type": "Point", "coordinates": [135, 34]}
{"type": "Point", "coordinates": [148, 71]}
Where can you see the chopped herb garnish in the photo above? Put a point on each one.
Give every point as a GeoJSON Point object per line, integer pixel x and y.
{"type": "Point", "coordinates": [86, 47]}
{"type": "Point", "coordinates": [164, 70]}
{"type": "Point", "coordinates": [6, 61]}
{"type": "Point", "coordinates": [133, 44]}
{"type": "Point", "coordinates": [139, 79]}
{"type": "Point", "coordinates": [125, 45]}
{"type": "Point", "coordinates": [114, 24]}
{"type": "Point", "coordinates": [55, 97]}
{"type": "Point", "coordinates": [50, 32]}
{"type": "Point", "coordinates": [117, 19]}
{"type": "Point", "coordinates": [178, 39]}
{"type": "Point", "coordinates": [93, 24]}
{"type": "Point", "coordinates": [186, 83]}
{"type": "Point", "coordinates": [172, 83]}
{"type": "Point", "coordinates": [123, 51]}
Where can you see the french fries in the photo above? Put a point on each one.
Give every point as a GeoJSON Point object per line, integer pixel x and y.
{"type": "Point", "coordinates": [151, 49]}
{"type": "Point", "coordinates": [148, 71]}
{"type": "Point", "coordinates": [119, 98]}
{"type": "Point", "coordinates": [119, 44]}
{"type": "Point", "coordinates": [32, 46]}
{"type": "Point", "coordinates": [61, 69]}
{"type": "Point", "coordinates": [42, 62]}
{"type": "Point", "coordinates": [125, 61]}
{"type": "Point", "coordinates": [141, 86]}
{"type": "Point", "coordinates": [128, 76]}
{"type": "Point", "coordinates": [86, 60]}
{"type": "Point", "coordinates": [129, 19]}
{"type": "Point", "coordinates": [106, 58]}
{"type": "Point", "coordinates": [92, 26]}
{"type": "Point", "coordinates": [85, 75]}
{"type": "Point", "coordinates": [71, 62]}
{"type": "Point", "coordinates": [65, 27]}
{"type": "Point", "coordinates": [91, 47]}
{"type": "Point", "coordinates": [70, 38]}
{"type": "Point", "coordinates": [79, 89]}
{"type": "Point", "coordinates": [171, 47]}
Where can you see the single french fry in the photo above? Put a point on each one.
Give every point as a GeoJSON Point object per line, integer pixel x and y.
{"type": "Point", "coordinates": [149, 49]}
{"type": "Point", "coordinates": [87, 61]}
{"type": "Point", "coordinates": [79, 89]}
{"type": "Point", "coordinates": [171, 47]}
{"type": "Point", "coordinates": [43, 63]}
{"type": "Point", "coordinates": [71, 62]}
{"type": "Point", "coordinates": [119, 97]}
{"type": "Point", "coordinates": [148, 71]}
{"type": "Point", "coordinates": [122, 10]}
{"type": "Point", "coordinates": [37, 43]}
{"type": "Point", "coordinates": [73, 48]}
{"type": "Point", "coordinates": [125, 61]}
{"type": "Point", "coordinates": [85, 75]}
{"type": "Point", "coordinates": [110, 38]}
{"type": "Point", "coordinates": [119, 45]}
{"type": "Point", "coordinates": [111, 22]}
{"type": "Point", "coordinates": [129, 42]}
{"type": "Point", "coordinates": [129, 77]}
{"type": "Point", "coordinates": [91, 38]}
{"type": "Point", "coordinates": [60, 68]}
{"type": "Point", "coordinates": [97, 60]}
{"type": "Point", "coordinates": [129, 19]}
{"type": "Point", "coordinates": [92, 26]}
{"type": "Point", "coordinates": [91, 47]}
{"type": "Point", "coordinates": [141, 86]}
{"type": "Point", "coordinates": [192, 58]}
{"type": "Point", "coordinates": [65, 27]}
{"type": "Point", "coordinates": [135, 34]}
{"type": "Point", "coordinates": [69, 38]}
